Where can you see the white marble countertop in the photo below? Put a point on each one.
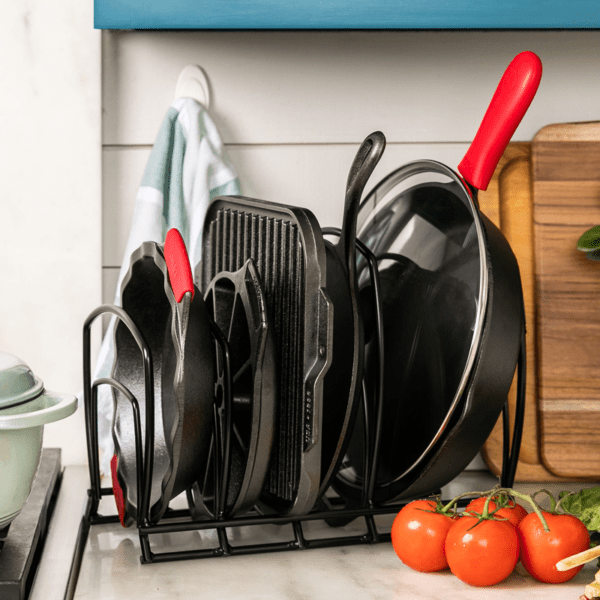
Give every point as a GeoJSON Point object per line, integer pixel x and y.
{"type": "Point", "coordinates": [111, 567]}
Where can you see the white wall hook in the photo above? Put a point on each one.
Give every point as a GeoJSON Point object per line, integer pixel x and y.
{"type": "Point", "coordinates": [192, 83]}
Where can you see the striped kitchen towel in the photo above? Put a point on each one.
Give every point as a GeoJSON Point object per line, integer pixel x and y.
{"type": "Point", "coordinates": [187, 168]}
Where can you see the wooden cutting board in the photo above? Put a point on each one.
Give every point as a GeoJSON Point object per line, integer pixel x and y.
{"type": "Point", "coordinates": [508, 203]}
{"type": "Point", "coordinates": [566, 193]}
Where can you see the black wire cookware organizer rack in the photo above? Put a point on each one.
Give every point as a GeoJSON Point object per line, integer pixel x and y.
{"type": "Point", "coordinates": [328, 509]}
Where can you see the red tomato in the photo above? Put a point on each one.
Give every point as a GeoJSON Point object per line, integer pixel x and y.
{"type": "Point", "coordinates": [418, 536]}
{"type": "Point", "coordinates": [540, 550]}
{"type": "Point", "coordinates": [514, 512]}
{"type": "Point", "coordinates": [482, 553]}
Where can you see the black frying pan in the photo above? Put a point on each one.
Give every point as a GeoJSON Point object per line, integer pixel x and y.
{"type": "Point", "coordinates": [452, 309]}
{"type": "Point", "coordinates": [158, 295]}
{"type": "Point", "coordinates": [342, 382]}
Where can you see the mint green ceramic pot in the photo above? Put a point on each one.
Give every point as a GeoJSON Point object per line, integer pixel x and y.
{"type": "Point", "coordinates": [25, 407]}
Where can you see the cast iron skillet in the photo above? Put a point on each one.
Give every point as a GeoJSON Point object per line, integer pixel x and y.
{"type": "Point", "coordinates": [237, 304]}
{"type": "Point", "coordinates": [452, 309]}
{"type": "Point", "coordinates": [342, 387]}
{"type": "Point", "coordinates": [158, 295]}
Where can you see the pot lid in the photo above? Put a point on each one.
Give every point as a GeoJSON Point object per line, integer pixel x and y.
{"type": "Point", "coordinates": [17, 381]}
{"type": "Point", "coordinates": [422, 225]}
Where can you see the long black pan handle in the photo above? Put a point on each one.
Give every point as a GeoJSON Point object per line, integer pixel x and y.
{"type": "Point", "coordinates": [364, 163]}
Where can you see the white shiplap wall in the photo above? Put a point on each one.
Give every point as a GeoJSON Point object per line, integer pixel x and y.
{"type": "Point", "coordinates": [292, 107]}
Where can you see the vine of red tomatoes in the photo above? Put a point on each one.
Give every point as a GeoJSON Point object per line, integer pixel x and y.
{"type": "Point", "coordinates": [483, 544]}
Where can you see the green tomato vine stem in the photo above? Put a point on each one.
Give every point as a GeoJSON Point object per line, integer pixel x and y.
{"type": "Point", "coordinates": [508, 492]}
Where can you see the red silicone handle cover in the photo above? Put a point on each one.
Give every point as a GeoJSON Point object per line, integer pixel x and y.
{"type": "Point", "coordinates": [178, 265]}
{"type": "Point", "coordinates": [117, 490]}
{"type": "Point", "coordinates": [508, 106]}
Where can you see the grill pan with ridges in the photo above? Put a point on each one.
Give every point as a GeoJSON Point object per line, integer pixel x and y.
{"type": "Point", "coordinates": [278, 246]}
{"type": "Point", "coordinates": [287, 247]}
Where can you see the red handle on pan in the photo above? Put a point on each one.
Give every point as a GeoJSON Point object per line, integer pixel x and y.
{"type": "Point", "coordinates": [178, 265]}
{"type": "Point", "coordinates": [117, 490]}
{"type": "Point", "coordinates": [508, 106]}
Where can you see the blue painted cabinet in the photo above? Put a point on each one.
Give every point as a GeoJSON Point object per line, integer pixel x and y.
{"type": "Point", "coordinates": [346, 14]}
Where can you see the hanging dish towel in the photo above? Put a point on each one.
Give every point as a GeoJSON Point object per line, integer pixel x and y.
{"type": "Point", "coordinates": [187, 168]}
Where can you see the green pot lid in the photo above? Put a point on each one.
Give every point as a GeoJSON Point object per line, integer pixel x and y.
{"type": "Point", "coordinates": [17, 381]}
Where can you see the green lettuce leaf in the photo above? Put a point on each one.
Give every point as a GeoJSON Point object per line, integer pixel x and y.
{"type": "Point", "coordinates": [585, 505]}
{"type": "Point", "coordinates": [590, 240]}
